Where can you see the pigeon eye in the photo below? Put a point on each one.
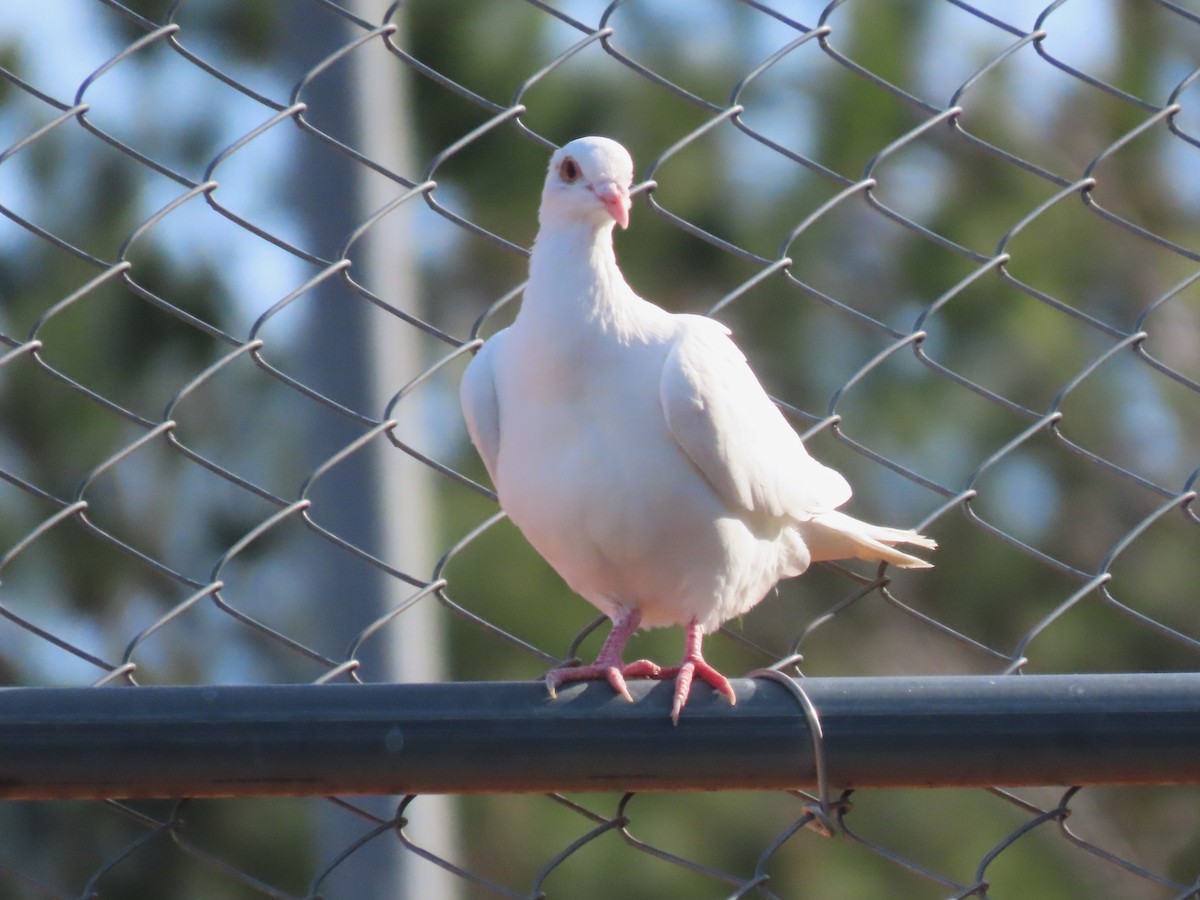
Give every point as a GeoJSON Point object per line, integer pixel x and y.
{"type": "Point", "coordinates": [569, 170]}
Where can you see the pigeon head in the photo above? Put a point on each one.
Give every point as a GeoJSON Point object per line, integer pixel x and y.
{"type": "Point", "coordinates": [588, 181]}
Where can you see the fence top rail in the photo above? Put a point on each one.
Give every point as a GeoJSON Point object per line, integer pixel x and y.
{"type": "Point", "coordinates": [492, 736]}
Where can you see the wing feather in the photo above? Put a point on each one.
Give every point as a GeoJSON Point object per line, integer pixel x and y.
{"type": "Point", "coordinates": [721, 417]}
{"type": "Point", "coordinates": [481, 409]}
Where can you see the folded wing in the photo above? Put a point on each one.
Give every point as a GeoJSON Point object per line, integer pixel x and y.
{"type": "Point", "coordinates": [480, 407]}
{"type": "Point", "coordinates": [721, 417]}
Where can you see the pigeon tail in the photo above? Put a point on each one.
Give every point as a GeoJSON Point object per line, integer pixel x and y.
{"type": "Point", "coordinates": [834, 535]}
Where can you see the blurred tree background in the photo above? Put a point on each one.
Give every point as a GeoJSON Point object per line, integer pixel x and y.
{"type": "Point", "coordinates": [986, 345]}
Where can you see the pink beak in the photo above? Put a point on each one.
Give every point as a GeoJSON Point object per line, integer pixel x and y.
{"type": "Point", "coordinates": [616, 200]}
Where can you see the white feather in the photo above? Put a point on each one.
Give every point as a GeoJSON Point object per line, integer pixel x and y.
{"type": "Point", "coordinates": [635, 449]}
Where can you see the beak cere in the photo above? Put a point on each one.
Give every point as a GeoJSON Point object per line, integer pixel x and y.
{"type": "Point", "coordinates": [616, 200]}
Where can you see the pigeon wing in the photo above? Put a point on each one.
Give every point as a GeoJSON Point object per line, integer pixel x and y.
{"type": "Point", "coordinates": [481, 409]}
{"type": "Point", "coordinates": [720, 416]}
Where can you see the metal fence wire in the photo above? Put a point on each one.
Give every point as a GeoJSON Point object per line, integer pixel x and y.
{"type": "Point", "coordinates": [959, 242]}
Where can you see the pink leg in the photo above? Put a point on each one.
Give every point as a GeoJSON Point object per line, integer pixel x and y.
{"type": "Point", "coordinates": [609, 664]}
{"type": "Point", "coordinates": [694, 664]}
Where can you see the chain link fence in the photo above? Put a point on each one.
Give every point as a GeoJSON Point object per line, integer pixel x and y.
{"type": "Point", "coordinates": [958, 242]}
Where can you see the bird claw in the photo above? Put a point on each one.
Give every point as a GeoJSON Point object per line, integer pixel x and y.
{"type": "Point", "coordinates": [617, 680]}
{"type": "Point", "coordinates": [684, 674]}
{"type": "Point", "coordinates": [615, 675]}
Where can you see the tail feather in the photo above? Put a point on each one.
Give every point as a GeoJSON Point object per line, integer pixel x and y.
{"type": "Point", "coordinates": [834, 535]}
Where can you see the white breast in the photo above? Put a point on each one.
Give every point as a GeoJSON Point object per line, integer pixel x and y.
{"type": "Point", "coordinates": [590, 474]}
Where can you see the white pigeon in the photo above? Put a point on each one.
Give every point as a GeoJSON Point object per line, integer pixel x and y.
{"type": "Point", "coordinates": [636, 450]}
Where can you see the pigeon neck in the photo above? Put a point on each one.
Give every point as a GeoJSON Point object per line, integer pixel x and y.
{"type": "Point", "coordinates": [573, 272]}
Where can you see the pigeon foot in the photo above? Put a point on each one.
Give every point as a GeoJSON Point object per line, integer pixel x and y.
{"type": "Point", "coordinates": [615, 675]}
{"type": "Point", "coordinates": [608, 664]}
{"type": "Point", "coordinates": [694, 664]}
{"type": "Point", "coordinates": [683, 683]}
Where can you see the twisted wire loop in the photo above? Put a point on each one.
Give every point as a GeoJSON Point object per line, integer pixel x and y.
{"type": "Point", "coordinates": [822, 811]}
{"type": "Point", "coordinates": [958, 243]}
